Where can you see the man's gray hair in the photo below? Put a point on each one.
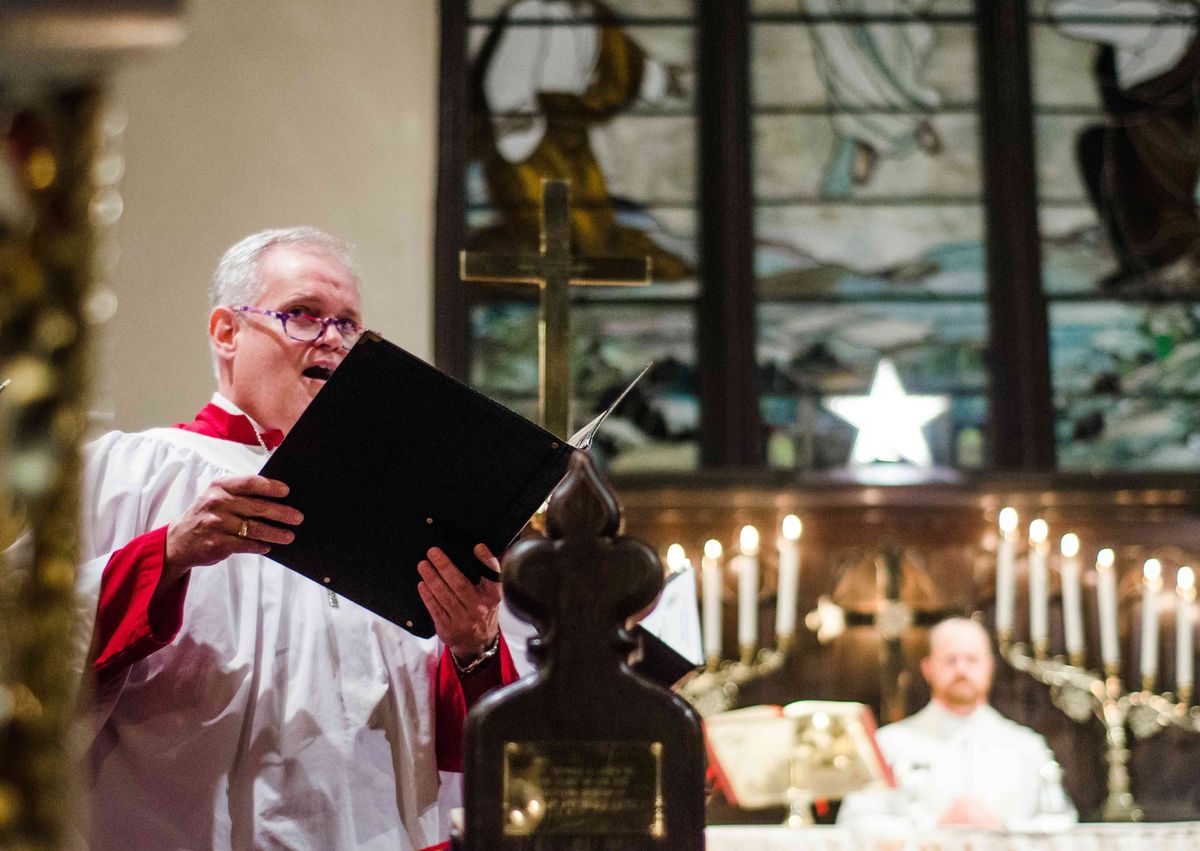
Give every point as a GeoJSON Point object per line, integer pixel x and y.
{"type": "Point", "coordinates": [237, 280]}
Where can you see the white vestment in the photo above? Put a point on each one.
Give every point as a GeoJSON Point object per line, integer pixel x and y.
{"type": "Point", "coordinates": [1145, 48]}
{"type": "Point", "coordinates": [938, 756]}
{"type": "Point", "coordinates": [875, 71]}
{"type": "Point", "coordinates": [558, 57]}
{"type": "Point", "coordinates": [273, 720]}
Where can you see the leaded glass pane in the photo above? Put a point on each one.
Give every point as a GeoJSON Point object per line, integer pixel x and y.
{"type": "Point", "coordinates": [608, 109]}
{"type": "Point", "coordinates": [1127, 383]}
{"type": "Point", "coordinates": [944, 8]}
{"type": "Point", "coordinates": [665, 9]}
{"type": "Point", "coordinates": [799, 161]}
{"type": "Point", "coordinates": [655, 427]}
{"type": "Point", "coordinates": [807, 66]}
{"type": "Point", "coordinates": [1118, 121]}
{"type": "Point", "coordinates": [869, 220]}
{"type": "Point", "coordinates": [902, 251]}
{"type": "Point", "coordinates": [1117, 124]}
{"type": "Point", "coordinates": [809, 352]}
{"type": "Point", "coordinates": [558, 91]}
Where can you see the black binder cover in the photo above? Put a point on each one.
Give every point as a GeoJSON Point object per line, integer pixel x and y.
{"type": "Point", "coordinates": [393, 457]}
{"type": "Point", "coordinates": [658, 661]}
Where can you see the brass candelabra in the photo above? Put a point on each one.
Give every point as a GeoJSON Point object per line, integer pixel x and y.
{"type": "Point", "coordinates": [718, 687]}
{"type": "Point", "coordinates": [1081, 693]}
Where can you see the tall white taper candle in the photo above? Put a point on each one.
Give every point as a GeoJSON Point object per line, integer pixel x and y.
{"type": "Point", "coordinates": [676, 558]}
{"type": "Point", "coordinates": [1151, 585]}
{"type": "Point", "coordinates": [1185, 588]}
{"type": "Point", "coordinates": [1106, 606]}
{"type": "Point", "coordinates": [1039, 622]}
{"type": "Point", "coordinates": [1006, 572]}
{"type": "Point", "coordinates": [747, 571]}
{"type": "Point", "coordinates": [712, 592]}
{"type": "Point", "coordinates": [1072, 605]}
{"type": "Point", "coordinates": [789, 576]}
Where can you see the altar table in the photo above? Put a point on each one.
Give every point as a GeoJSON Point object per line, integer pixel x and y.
{"type": "Point", "coordinates": [1161, 836]}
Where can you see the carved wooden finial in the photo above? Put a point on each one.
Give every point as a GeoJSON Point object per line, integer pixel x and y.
{"type": "Point", "coordinates": [583, 504]}
{"type": "Point", "coordinates": [583, 749]}
{"type": "Point", "coordinates": [582, 574]}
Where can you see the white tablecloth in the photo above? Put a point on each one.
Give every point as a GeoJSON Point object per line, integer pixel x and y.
{"type": "Point", "coordinates": [1171, 836]}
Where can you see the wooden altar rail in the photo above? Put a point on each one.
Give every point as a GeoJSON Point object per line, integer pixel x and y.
{"type": "Point", "coordinates": [948, 528]}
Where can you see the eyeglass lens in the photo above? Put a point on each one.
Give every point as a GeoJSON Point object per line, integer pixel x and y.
{"type": "Point", "coordinates": [306, 329]}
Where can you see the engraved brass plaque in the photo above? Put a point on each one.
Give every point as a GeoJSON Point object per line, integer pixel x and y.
{"type": "Point", "coordinates": [583, 789]}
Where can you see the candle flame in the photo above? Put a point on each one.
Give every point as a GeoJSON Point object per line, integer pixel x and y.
{"type": "Point", "coordinates": [1008, 520]}
{"type": "Point", "coordinates": [749, 541]}
{"type": "Point", "coordinates": [1152, 569]}
{"type": "Point", "coordinates": [792, 527]}
{"type": "Point", "coordinates": [1038, 531]}
{"type": "Point", "coordinates": [1105, 559]}
{"type": "Point", "coordinates": [1185, 579]}
{"type": "Point", "coordinates": [676, 557]}
{"type": "Point", "coordinates": [713, 548]}
{"type": "Point", "coordinates": [1070, 545]}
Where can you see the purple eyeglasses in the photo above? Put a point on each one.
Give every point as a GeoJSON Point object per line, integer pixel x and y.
{"type": "Point", "coordinates": [308, 329]}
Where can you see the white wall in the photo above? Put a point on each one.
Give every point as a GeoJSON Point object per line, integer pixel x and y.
{"type": "Point", "coordinates": [272, 113]}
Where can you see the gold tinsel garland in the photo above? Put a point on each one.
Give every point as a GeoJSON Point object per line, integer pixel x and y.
{"type": "Point", "coordinates": [51, 144]}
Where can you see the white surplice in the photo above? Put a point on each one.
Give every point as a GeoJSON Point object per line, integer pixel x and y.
{"type": "Point", "coordinates": [273, 720]}
{"type": "Point", "coordinates": [938, 756]}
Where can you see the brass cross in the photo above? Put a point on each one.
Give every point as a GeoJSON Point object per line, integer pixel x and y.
{"type": "Point", "coordinates": [554, 270]}
{"type": "Point", "coordinates": [892, 619]}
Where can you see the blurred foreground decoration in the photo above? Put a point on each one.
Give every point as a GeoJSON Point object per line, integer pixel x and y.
{"type": "Point", "coordinates": [57, 192]}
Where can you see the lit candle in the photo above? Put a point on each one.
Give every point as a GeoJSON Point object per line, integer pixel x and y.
{"type": "Point", "coordinates": [1151, 585]}
{"type": "Point", "coordinates": [1072, 607]}
{"type": "Point", "coordinates": [747, 571]}
{"type": "Point", "coordinates": [1106, 604]}
{"type": "Point", "coordinates": [1039, 630]}
{"type": "Point", "coordinates": [711, 583]}
{"type": "Point", "coordinates": [1006, 572]}
{"type": "Point", "coordinates": [789, 577]}
{"type": "Point", "coordinates": [1185, 588]}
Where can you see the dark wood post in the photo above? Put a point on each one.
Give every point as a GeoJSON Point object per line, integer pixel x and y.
{"type": "Point", "coordinates": [1022, 413]}
{"type": "Point", "coordinates": [731, 433]}
{"type": "Point", "coordinates": [584, 753]}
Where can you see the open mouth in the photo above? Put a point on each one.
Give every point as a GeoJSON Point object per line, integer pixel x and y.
{"type": "Point", "coordinates": [319, 372]}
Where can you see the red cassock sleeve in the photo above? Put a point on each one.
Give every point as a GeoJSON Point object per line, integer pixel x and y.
{"type": "Point", "coordinates": [127, 627]}
{"type": "Point", "coordinates": [456, 694]}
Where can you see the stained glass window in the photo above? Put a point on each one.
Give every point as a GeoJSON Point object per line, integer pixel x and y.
{"type": "Point", "coordinates": [599, 94]}
{"type": "Point", "coordinates": [1118, 158]}
{"type": "Point", "coordinates": [869, 219]}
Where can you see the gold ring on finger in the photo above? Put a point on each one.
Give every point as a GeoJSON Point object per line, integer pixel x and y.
{"type": "Point", "coordinates": [243, 530]}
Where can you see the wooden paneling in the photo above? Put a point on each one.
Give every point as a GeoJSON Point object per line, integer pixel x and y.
{"type": "Point", "coordinates": [948, 533]}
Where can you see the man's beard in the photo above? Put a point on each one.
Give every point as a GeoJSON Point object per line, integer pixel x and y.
{"type": "Point", "coordinates": [962, 692]}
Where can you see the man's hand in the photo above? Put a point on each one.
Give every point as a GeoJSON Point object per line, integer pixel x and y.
{"type": "Point", "coordinates": [466, 616]}
{"type": "Point", "coordinates": [969, 812]}
{"type": "Point", "coordinates": [210, 529]}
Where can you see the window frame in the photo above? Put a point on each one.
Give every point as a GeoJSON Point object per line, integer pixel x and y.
{"type": "Point", "coordinates": [731, 435]}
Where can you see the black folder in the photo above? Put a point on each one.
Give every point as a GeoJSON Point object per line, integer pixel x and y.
{"type": "Point", "coordinates": [657, 661]}
{"type": "Point", "coordinates": [393, 457]}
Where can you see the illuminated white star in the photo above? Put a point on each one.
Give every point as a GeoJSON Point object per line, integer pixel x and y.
{"type": "Point", "coordinates": [888, 420]}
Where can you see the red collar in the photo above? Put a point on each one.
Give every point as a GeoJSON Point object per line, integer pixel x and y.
{"type": "Point", "coordinates": [215, 421]}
